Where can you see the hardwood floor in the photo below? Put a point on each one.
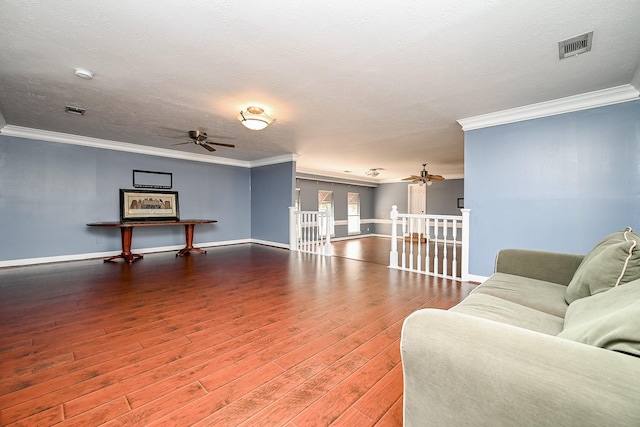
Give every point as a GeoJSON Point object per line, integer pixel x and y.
{"type": "Point", "coordinates": [245, 335]}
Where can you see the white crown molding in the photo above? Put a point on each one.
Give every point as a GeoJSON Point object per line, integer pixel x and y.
{"type": "Point", "coordinates": [65, 138]}
{"type": "Point", "coordinates": [317, 175]}
{"type": "Point", "coordinates": [598, 98]}
{"type": "Point", "coordinates": [274, 160]}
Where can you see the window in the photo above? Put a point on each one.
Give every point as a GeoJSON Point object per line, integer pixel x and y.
{"type": "Point", "coordinates": [325, 203]}
{"type": "Point", "coordinates": [353, 213]}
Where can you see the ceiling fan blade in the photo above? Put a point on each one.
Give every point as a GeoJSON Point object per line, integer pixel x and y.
{"type": "Point", "coordinates": [207, 147]}
{"type": "Point", "coordinates": [436, 177]}
{"type": "Point", "coordinates": [206, 134]}
{"type": "Point", "coordinates": [221, 144]}
{"type": "Point", "coordinates": [411, 178]}
{"type": "Point", "coordinates": [182, 143]}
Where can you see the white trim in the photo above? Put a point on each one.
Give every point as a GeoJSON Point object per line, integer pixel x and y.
{"type": "Point", "coordinates": [356, 236]}
{"type": "Point", "coordinates": [273, 160]}
{"type": "Point", "coordinates": [475, 278]}
{"type": "Point", "coordinates": [598, 98]}
{"type": "Point", "coordinates": [66, 138]}
{"type": "Point", "coordinates": [94, 255]}
{"type": "Point", "coordinates": [268, 243]}
{"type": "Point", "coordinates": [336, 178]}
{"type": "Point", "coordinates": [378, 221]}
{"type": "Point", "coordinates": [362, 221]}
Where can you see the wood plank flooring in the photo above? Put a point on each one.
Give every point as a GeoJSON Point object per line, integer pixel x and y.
{"type": "Point", "coordinates": [245, 335]}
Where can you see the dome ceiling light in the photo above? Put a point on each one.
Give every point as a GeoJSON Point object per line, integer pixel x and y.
{"type": "Point", "coordinates": [83, 73]}
{"type": "Point", "coordinates": [255, 118]}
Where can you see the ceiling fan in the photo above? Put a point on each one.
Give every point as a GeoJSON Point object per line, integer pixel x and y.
{"type": "Point", "coordinates": [199, 137]}
{"type": "Point", "coordinates": [424, 177]}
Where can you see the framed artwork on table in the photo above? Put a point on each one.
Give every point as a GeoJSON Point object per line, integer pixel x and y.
{"type": "Point", "coordinates": [148, 205]}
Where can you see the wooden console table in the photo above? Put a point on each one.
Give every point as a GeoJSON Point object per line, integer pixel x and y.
{"type": "Point", "coordinates": [126, 233]}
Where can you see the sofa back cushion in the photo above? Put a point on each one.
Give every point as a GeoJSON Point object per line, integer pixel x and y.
{"type": "Point", "coordinates": [609, 319]}
{"type": "Point", "coordinates": [613, 261]}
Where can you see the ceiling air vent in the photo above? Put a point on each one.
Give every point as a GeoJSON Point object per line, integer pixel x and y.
{"type": "Point", "coordinates": [74, 110]}
{"type": "Point", "coordinates": [575, 45]}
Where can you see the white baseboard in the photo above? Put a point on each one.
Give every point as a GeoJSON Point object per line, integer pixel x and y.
{"type": "Point", "coordinates": [268, 243]}
{"type": "Point", "coordinates": [476, 278]}
{"type": "Point", "coordinates": [96, 255]}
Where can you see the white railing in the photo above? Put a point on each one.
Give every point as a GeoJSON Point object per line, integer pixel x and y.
{"type": "Point", "coordinates": [309, 231]}
{"type": "Point", "coordinates": [436, 245]}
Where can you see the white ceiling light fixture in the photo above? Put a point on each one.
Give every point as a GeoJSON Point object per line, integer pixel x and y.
{"type": "Point", "coordinates": [83, 73]}
{"type": "Point", "coordinates": [255, 118]}
{"type": "Point", "coordinates": [373, 172]}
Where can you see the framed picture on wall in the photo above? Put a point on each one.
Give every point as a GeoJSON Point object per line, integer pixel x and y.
{"type": "Point", "coordinates": [148, 205]}
{"type": "Point", "coordinates": [150, 179]}
{"type": "Point", "coordinates": [461, 202]}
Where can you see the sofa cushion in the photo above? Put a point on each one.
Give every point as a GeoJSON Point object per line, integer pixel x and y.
{"type": "Point", "coordinates": [613, 261]}
{"type": "Point", "coordinates": [533, 293]}
{"type": "Point", "coordinates": [609, 319]}
{"type": "Point", "coordinates": [493, 308]}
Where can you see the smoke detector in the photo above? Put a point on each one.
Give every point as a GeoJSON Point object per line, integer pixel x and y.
{"type": "Point", "coordinates": [575, 45]}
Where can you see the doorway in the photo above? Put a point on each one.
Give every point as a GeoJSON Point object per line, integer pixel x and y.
{"type": "Point", "coordinates": [417, 199]}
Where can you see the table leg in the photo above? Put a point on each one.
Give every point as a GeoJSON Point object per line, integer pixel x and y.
{"type": "Point", "coordinates": [188, 234]}
{"type": "Point", "coordinates": [126, 234]}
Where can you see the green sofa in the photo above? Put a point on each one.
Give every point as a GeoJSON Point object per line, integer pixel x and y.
{"type": "Point", "coordinates": [550, 339]}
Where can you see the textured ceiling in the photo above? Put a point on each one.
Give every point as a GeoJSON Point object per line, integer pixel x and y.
{"type": "Point", "coordinates": [352, 85]}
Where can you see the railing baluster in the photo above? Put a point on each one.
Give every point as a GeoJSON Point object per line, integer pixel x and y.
{"type": "Point", "coordinates": [454, 258]}
{"type": "Point", "coordinates": [445, 241]}
{"type": "Point", "coordinates": [393, 255]}
{"type": "Point", "coordinates": [411, 243]}
{"type": "Point", "coordinates": [428, 244]}
{"type": "Point", "coordinates": [435, 247]}
{"type": "Point", "coordinates": [310, 232]}
{"type": "Point", "coordinates": [404, 241]}
{"type": "Point", "coordinates": [435, 230]}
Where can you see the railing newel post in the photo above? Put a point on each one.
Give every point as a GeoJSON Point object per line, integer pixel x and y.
{"type": "Point", "coordinates": [393, 254]}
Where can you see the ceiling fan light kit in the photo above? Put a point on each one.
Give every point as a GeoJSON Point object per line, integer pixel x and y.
{"type": "Point", "coordinates": [424, 178]}
{"type": "Point", "coordinates": [255, 118]}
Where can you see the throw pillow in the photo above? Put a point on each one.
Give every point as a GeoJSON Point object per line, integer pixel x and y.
{"type": "Point", "coordinates": [613, 261]}
{"type": "Point", "coordinates": [609, 319]}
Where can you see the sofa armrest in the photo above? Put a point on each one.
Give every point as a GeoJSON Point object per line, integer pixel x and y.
{"type": "Point", "coordinates": [553, 267]}
{"type": "Point", "coordinates": [462, 370]}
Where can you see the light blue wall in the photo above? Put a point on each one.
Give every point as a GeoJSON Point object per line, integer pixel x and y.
{"type": "Point", "coordinates": [309, 202]}
{"type": "Point", "coordinates": [49, 191]}
{"type": "Point", "coordinates": [442, 197]}
{"type": "Point", "coordinates": [558, 183]}
{"type": "Point", "coordinates": [272, 190]}
{"type": "Point", "coordinates": [441, 200]}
